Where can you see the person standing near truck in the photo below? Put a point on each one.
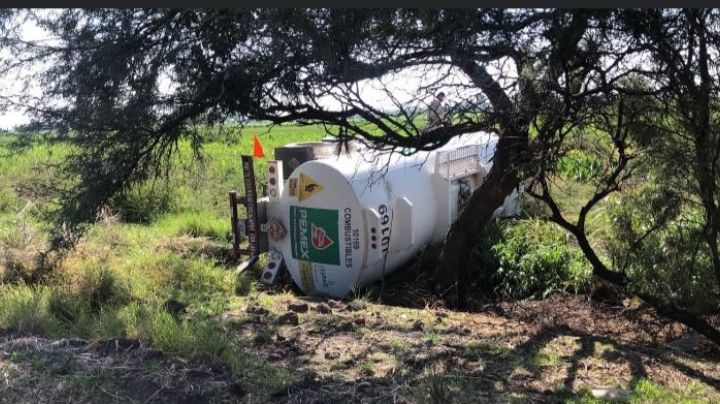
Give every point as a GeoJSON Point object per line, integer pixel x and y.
{"type": "Point", "coordinates": [436, 112]}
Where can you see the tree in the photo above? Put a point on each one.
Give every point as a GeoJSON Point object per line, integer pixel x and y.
{"type": "Point", "coordinates": [663, 107]}
{"type": "Point", "coordinates": [537, 78]}
{"type": "Point", "coordinates": [280, 66]}
{"type": "Point", "coordinates": [687, 73]}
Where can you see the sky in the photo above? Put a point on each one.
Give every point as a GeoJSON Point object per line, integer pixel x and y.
{"type": "Point", "coordinates": [13, 117]}
{"type": "Point", "coordinates": [405, 86]}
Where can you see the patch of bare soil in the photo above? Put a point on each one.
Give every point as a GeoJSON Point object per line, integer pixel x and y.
{"type": "Point", "coordinates": [37, 370]}
{"type": "Point", "coordinates": [537, 351]}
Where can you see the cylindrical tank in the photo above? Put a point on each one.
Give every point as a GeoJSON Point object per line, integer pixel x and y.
{"type": "Point", "coordinates": [352, 219]}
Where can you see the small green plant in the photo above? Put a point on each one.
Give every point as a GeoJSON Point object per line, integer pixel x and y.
{"type": "Point", "coordinates": [445, 387]}
{"type": "Point", "coordinates": [194, 340]}
{"type": "Point", "coordinates": [543, 359]}
{"type": "Point", "coordinates": [100, 286]}
{"type": "Point", "coordinates": [25, 309]}
{"type": "Point", "coordinates": [196, 225]}
{"type": "Point", "coordinates": [579, 165]}
{"type": "Point", "coordinates": [67, 308]}
{"type": "Point", "coordinates": [432, 337]}
{"type": "Point", "coordinates": [144, 202]}
{"type": "Point", "coordinates": [9, 201]}
{"type": "Point", "coordinates": [488, 350]}
{"type": "Point", "coordinates": [366, 368]}
{"type": "Point", "coordinates": [398, 345]}
{"type": "Point", "coordinates": [536, 259]}
{"type": "Point", "coordinates": [245, 285]}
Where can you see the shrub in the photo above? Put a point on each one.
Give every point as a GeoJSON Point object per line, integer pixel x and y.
{"type": "Point", "coordinates": [579, 165]}
{"type": "Point", "coordinates": [198, 282]}
{"type": "Point", "coordinates": [245, 284]}
{"type": "Point", "coordinates": [672, 259]}
{"type": "Point", "coordinates": [144, 202]}
{"type": "Point", "coordinates": [25, 309]}
{"type": "Point", "coordinates": [100, 286]}
{"type": "Point", "coordinates": [485, 259]}
{"type": "Point", "coordinates": [9, 201]}
{"type": "Point", "coordinates": [73, 312]}
{"type": "Point", "coordinates": [530, 258]}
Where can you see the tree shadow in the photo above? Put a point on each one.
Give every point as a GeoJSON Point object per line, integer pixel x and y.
{"type": "Point", "coordinates": [503, 371]}
{"type": "Point", "coordinates": [636, 345]}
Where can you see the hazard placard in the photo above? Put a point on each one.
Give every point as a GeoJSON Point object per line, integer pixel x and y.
{"type": "Point", "coordinates": [308, 187]}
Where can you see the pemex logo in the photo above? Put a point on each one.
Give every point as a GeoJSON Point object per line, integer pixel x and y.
{"type": "Point", "coordinates": [320, 239]}
{"type": "Point", "coordinates": [314, 235]}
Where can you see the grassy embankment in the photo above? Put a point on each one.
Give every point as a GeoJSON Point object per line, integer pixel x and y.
{"type": "Point", "coordinates": [165, 246]}
{"type": "Point", "coordinates": [122, 274]}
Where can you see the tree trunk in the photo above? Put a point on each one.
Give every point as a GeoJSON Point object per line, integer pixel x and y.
{"type": "Point", "coordinates": [452, 271]}
{"type": "Point", "coordinates": [712, 240]}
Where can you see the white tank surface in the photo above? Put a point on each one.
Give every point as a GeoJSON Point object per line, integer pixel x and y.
{"type": "Point", "coordinates": [348, 220]}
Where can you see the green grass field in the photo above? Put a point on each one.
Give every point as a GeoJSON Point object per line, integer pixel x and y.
{"type": "Point", "coordinates": [116, 282]}
{"type": "Point", "coordinates": [157, 270]}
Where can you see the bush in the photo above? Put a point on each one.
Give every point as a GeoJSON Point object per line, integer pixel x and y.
{"type": "Point", "coordinates": [245, 284]}
{"type": "Point", "coordinates": [199, 283]}
{"type": "Point", "coordinates": [25, 309]}
{"type": "Point", "coordinates": [9, 201]}
{"type": "Point", "coordinates": [144, 202]}
{"type": "Point", "coordinates": [579, 165]}
{"type": "Point", "coordinates": [100, 286]}
{"type": "Point", "coordinates": [486, 260]}
{"type": "Point", "coordinates": [73, 312]}
{"type": "Point", "coordinates": [530, 258]}
{"type": "Point", "coordinates": [672, 261]}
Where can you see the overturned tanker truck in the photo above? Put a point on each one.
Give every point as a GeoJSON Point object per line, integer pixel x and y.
{"type": "Point", "coordinates": [337, 221]}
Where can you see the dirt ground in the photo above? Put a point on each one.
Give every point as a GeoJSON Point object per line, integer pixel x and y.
{"type": "Point", "coordinates": [340, 351]}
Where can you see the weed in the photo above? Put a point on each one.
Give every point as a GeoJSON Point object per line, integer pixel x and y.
{"type": "Point", "coordinates": [245, 285]}
{"type": "Point", "coordinates": [580, 165]}
{"type": "Point", "coordinates": [100, 286]}
{"type": "Point", "coordinates": [195, 340]}
{"type": "Point", "coordinates": [68, 309]}
{"type": "Point", "coordinates": [265, 301]}
{"type": "Point", "coordinates": [432, 337]}
{"type": "Point", "coordinates": [110, 323]}
{"type": "Point", "coordinates": [25, 309]}
{"type": "Point", "coordinates": [196, 225]}
{"type": "Point", "coordinates": [647, 391]}
{"type": "Point", "coordinates": [366, 368]}
{"type": "Point", "coordinates": [488, 350]}
{"type": "Point", "coordinates": [398, 345]}
{"type": "Point", "coordinates": [444, 387]}
{"type": "Point", "coordinates": [144, 202]}
{"type": "Point", "coordinates": [363, 295]}
{"type": "Point", "coordinates": [82, 381]}
{"type": "Point", "coordinates": [550, 359]}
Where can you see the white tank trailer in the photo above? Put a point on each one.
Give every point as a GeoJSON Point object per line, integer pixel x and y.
{"type": "Point", "coordinates": [339, 221]}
